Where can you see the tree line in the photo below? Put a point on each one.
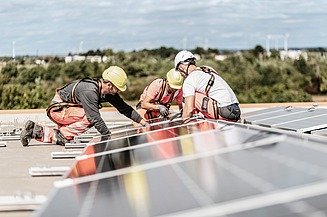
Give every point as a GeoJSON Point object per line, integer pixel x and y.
{"type": "Point", "coordinates": [252, 75]}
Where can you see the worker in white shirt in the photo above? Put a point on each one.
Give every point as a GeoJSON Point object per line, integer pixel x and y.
{"type": "Point", "coordinates": [205, 91]}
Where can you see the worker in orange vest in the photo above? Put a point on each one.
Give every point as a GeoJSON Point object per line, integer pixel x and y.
{"type": "Point", "coordinates": [157, 97]}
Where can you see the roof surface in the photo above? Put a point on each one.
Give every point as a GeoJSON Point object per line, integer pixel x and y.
{"type": "Point", "coordinates": [15, 178]}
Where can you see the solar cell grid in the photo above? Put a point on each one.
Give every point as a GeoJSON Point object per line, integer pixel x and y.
{"type": "Point", "coordinates": [132, 130]}
{"type": "Point", "coordinates": [269, 114]}
{"type": "Point", "coordinates": [120, 154]}
{"type": "Point", "coordinates": [152, 133]}
{"type": "Point", "coordinates": [289, 117]}
{"type": "Point", "coordinates": [228, 171]}
{"type": "Point", "coordinates": [321, 132]}
{"type": "Point", "coordinates": [262, 111]}
{"type": "Point", "coordinates": [304, 124]}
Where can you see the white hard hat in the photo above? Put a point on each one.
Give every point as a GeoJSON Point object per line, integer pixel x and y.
{"type": "Point", "coordinates": [183, 56]}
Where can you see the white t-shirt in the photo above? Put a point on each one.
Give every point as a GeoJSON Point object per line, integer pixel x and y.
{"type": "Point", "coordinates": [197, 81]}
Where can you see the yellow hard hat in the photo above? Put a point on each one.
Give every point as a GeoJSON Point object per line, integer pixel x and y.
{"type": "Point", "coordinates": [175, 79]}
{"type": "Point", "coordinates": [116, 76]}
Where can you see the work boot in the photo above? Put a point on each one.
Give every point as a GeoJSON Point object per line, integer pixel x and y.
{"type": "Point", "coordinates": [61, 140]}
{"type": "Point", "coordinates": [27, 133]}
{"type": "Point", "coordinates": [37, 132]}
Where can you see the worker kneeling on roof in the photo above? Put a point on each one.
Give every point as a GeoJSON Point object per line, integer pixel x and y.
{"type": "Point", "coordinates": [75, 108]}
{"type": "Point", "coordinates": [157, 97]}
{"type": "Point", "coordinates": [205, 91]}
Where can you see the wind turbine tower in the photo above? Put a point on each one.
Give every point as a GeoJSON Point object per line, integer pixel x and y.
{"type": "Point", "coordinates": [285, 41]}
{"type": "Point", "coordinates": [13, 50]}
{"type": "Point", "coordinates": [268, 37]}
{"type": "Point", "coordinates": [80, 50]}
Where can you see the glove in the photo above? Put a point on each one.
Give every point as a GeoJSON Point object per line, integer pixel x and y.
{"type": "Point", "coordinates": [164, 111]}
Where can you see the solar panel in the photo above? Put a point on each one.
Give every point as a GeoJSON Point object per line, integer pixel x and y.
{"type": "Point", "coordinates": [322, 132]}
{"type": "Point", "coordinates": [232, 170]}
{"type": "Point", "coordinates": [305, 124]}
{"type": "Point", "coordinates": [129, 130]}
{"type": "Point", "coordinates": [294, 119]}
{"type": "Point", "coordinates": [261, 112]}
{"type": "Point", "coordinates": [269, 113]}
{"type": "Point", "coordinates": [129, 155]}
{"type": "Point", "coordinates": [154, 133]}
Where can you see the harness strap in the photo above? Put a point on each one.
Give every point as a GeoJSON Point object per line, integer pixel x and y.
{"type": "Point", "coordinates": [205, 106]}
{"type": "Point", "coordinates": [215, 109]}
{"type": "Point", "coordinates": [73, 90]}
{"type": "Point", "coordinates": [210, 84]}
{"type": "Point", "coordinates": [57, 107]}
{"type": "Point", "coordinates": [210, 71]}
{"type": "Point", "coordinates": [162, 91]}
{"type": "Point", "coordinates": [163, 88]}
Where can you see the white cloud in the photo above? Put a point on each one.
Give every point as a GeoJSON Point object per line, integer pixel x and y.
{"type": "Point", "coordinates": [232, 35]}
{"type": "Point", "coordinates": [130, 24]}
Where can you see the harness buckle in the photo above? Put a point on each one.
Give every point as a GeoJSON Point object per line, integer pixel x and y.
{"type": "Point", "coordinates": [204, 106]}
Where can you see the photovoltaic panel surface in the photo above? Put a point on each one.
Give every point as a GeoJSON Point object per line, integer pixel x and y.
{"type": "Point", "coordinates": [322, 132]}
{"type": "Point", "coordinates": [256, 113]}
{"type": "Point", "coordinates": [269, 113]}
{"type": "Point", "coordinates": [305, 124]}
{"type": "Point", "coordinates": [294, 119]}
{"type": "Point", "coordinates": [129, 130]}
{"type": "Point", "coordinates": [152, 133]}
{"type": "Point", "coordinates": [157, 150]}
{"type": "Point", "coordinates": [230, 171]}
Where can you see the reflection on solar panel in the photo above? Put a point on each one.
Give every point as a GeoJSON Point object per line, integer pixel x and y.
{"type": "Point", "coordinates": [129, 130]}
{"type": "Point", "coordinates": [153, 133]}
{"type": "Point", "coordinates": [203, 168]}
{"type": "Point", "coordinates": [294, 119]}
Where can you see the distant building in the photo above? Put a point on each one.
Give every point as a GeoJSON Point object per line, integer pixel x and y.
{"type": "Point", "coordinates": [78, 58]}
{"type": "Point", "coordinates": [39, 62]}
{"type": "Point", "coordinates": [105, 59]}
{"type": "Point", "coordinates": [220, 57]}
{"type": "Point", "coordinates": [92, 59]}
{"type": "Point", "coordinates": [292, 54]}
{"type": "Point", "coordinates": [68, 59]}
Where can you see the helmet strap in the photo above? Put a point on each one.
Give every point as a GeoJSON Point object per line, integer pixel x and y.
{"type": "Point", "coordinates": [189, 63]}
{"type": "Point", "coordinates": [188, 66]}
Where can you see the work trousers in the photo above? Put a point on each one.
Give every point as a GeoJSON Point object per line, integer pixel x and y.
{"type": "Point", "coordinates": [209, 108]}
{"type": "Point", "coordinates": [70, 119]}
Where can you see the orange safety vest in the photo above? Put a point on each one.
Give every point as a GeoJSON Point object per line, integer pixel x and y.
{"type": "Point", "coordinates": [160, 98]}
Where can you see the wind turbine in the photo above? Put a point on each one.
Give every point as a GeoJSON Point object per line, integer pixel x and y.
{"type": "Point", "coordinates": [81, 47]}
{"type": "Point", "coordinates": [285, 41]}
{"type": "Point", "coordinates": [13, 50]}
{"type": "Point", "coordinates": [268, 37]}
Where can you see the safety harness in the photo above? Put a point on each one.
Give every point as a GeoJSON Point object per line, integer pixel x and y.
{"type": "Point", "coordinates": [59, 106]}
{"type": "Point", "coordinates": [162, 91]}
{"type": "Point", "coordinates": [210, 83]}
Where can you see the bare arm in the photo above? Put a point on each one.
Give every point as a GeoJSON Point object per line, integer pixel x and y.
{"type": "Point", "coordinates": [188, 107]}
{"type": "Point", "coordinates": [146, 104]}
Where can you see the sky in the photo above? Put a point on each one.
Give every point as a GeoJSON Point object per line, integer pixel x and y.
{"type": "Point", "coordinates": [59, 27]}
